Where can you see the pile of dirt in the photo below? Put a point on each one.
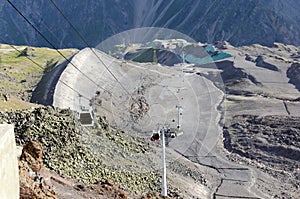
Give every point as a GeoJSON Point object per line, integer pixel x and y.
{"type": "Point", "coordinates": [139, 108]}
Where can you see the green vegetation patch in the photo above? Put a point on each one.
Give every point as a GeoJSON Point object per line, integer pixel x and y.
{"type": "Point", "coordinates": [22, 67]}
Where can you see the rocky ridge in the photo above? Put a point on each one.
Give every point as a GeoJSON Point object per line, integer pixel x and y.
{"type": "Point", "coordinates": [37, 181]}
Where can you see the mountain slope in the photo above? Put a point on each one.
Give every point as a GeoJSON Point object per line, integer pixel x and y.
{"type": "Point", "coordinates": [21, 68]}
{"type": "Point", "coordinates": [240, 22]}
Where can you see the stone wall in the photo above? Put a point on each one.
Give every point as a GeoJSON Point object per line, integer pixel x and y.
{"type": "Point", "coordinates": [9, 174]}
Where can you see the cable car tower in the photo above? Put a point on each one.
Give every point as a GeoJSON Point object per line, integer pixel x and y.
{"type": "Point", "coordinates": [167, 133]}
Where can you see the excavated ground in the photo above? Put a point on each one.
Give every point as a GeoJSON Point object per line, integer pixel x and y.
{"type": "Point", "coordinates": [270, 143]}
{"type": "Point", "coordinates": [261, 117]}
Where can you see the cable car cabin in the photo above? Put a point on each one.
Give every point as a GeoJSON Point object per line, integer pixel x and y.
{"type": "Point", "coordinates": [86, 117]}
{"type": "Point", "coordinates": [171, 133]}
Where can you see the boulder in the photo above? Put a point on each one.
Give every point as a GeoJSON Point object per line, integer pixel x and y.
{"type": "Point", "coordinates": [32, 153]}
{"type": "Point", "coordinates": [32, 182]}
{"type": "Point", "coordinates": [110, 189]}
{"type": "Point", "coordinates": [32, 185]}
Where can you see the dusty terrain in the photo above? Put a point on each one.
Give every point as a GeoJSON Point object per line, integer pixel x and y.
{"type": "Point", "coordinates": [270, 143]}
{"type": "Point", "coordinates": [261, 124]}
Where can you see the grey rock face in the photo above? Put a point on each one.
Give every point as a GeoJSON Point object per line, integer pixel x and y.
{"type": "Point", "coordinates": [260, 62]}
{"type": "Point", "coordinates": [294, 74]}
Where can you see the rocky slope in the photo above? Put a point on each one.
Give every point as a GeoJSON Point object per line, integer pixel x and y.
{"type": "Point", "coordinates": [205, 20]}
{"type": "Point", "coordinates": [94, 155]}
{"type": "Point", "coordinates": [36, 181]}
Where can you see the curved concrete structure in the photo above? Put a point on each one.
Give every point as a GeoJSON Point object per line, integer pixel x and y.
{"type": "Point", "coordinates": [43, 94]}
{"type": "Point", "coordinates": [9, 172]}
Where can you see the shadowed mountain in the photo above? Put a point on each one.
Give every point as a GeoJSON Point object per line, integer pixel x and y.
{"type": "Point", "coordinates": [203, 20]}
